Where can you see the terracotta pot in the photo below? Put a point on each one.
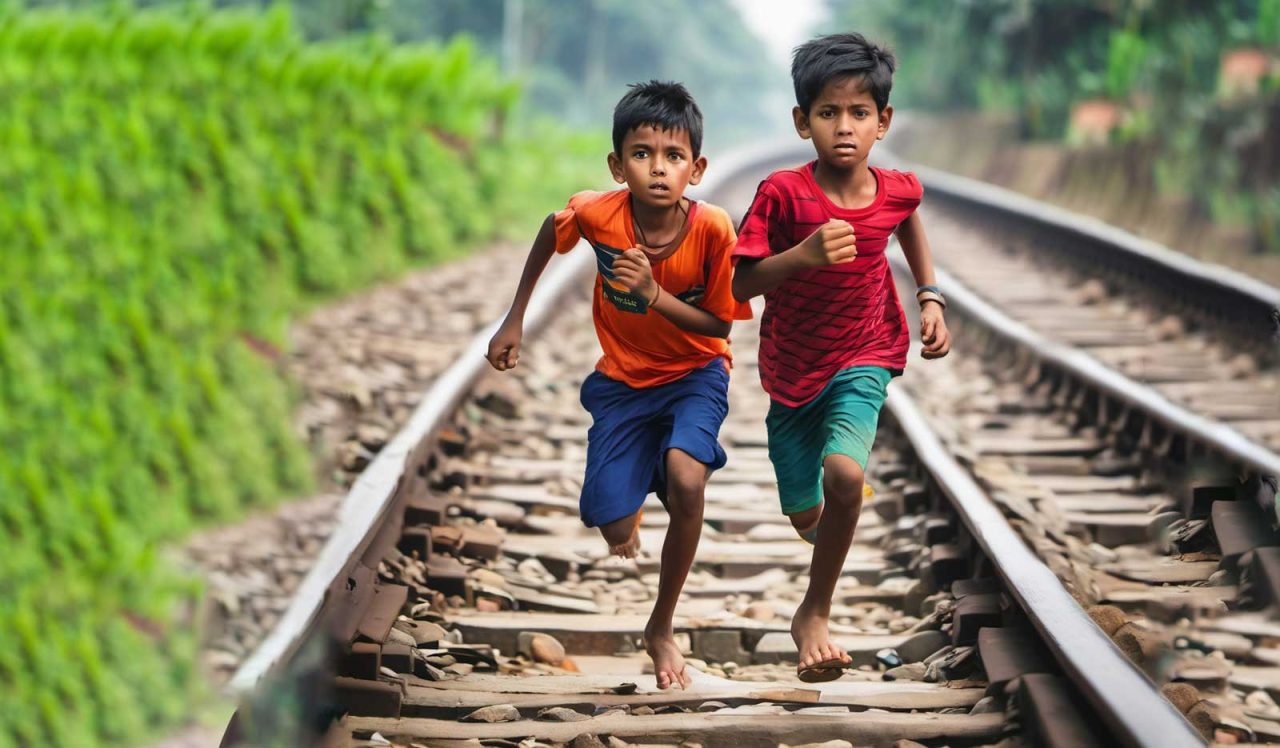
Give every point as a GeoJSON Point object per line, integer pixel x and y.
{"type": "Point", "coordinates": [1092, 120]}
{"type": "Point", "coordinates": [1241, 71]}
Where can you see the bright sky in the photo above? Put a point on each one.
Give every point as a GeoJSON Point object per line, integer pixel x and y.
{"type": "Point", "coordinates": [782, 24]}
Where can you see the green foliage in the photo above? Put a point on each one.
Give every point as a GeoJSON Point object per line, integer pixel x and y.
{"type": "Point", "coordinates": [575, 57]}
{"type": "Point", "coordinates": [1266, 29]}
{"type": "Point", "coordinates": [1126, 55]}
{"type": "Point", "coordinates": [1157, 60]}
{"type": "Point", "coordinates": [178, 185]}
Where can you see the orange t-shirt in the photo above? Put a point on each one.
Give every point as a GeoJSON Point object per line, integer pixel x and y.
{"type": "Point", "coordinates": [644, 349]}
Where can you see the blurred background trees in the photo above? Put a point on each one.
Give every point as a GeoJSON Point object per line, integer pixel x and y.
{"type": "Point", "coordinates": [572, 58]}
{"type": "Point", "coordinates": [1195, 84]}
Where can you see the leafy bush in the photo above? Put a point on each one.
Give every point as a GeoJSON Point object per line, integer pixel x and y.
{"type": "Point", "coordinates": [176, 185]}
{"type": "Point", "coordinates": [1157, 60]}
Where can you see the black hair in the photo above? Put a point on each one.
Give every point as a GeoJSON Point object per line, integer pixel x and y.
{"type": "Point", "coordinates": [819, 61]}
{"type": "Point", "coordinates": [665, 105]}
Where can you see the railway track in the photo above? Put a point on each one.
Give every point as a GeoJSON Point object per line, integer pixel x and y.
{"type": "Point", "coordinates": [467, 602]}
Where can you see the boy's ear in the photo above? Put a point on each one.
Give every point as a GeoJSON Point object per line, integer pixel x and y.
{"type": "Point", "coordinates": [886, 116]}
{"type": "Point", "coordinates": [699, 168]}
{"type": "Point", "coordinates": [801, 118]}
{"type": "Point", "coordinates": [615, 168]}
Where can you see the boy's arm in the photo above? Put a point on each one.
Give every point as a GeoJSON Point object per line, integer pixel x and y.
{"type": "Point", "coordinates": [504, 346]}
{"type": "Point", "coordinates": [832, 243]}
{"type": "Point", "coordinates": [934, 336]}
{"type": "Point", "coordinates": [632, 269]}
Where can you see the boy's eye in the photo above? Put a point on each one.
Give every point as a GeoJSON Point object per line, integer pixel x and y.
{"type": "Point", "coordinates": [640, 154]}
{"type": "Point", "coordinates": [826, 114]}
{"type": "Point", "coordinates": [676, 156]}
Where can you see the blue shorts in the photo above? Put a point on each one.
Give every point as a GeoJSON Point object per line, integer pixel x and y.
{"type": "Point", "coordinates": [841, 420]}
{"type": "Point", "coordinates": [632, 429]}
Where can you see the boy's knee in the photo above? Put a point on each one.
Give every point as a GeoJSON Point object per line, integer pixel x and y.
{"type": "Point", "coordinates": [685, 496]}
{"type": "Point", "coordinates": [842, 480]}
{"type": "Point", "coordinates": [686, 506]}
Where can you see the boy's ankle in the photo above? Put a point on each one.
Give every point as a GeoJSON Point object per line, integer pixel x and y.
{"type": "Point", "coordinates": [659, 630]}
{"type": "Point", "coordinates": [818, 608]}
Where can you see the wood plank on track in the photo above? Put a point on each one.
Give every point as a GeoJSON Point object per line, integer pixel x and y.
{"type": "Point", "coordinates": [712, 729]}
{"type": "Point", "coordinates": [476, 691]}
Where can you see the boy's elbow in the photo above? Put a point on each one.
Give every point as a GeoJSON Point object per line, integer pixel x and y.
{"type": "Point", "coordinates": [743, 275]}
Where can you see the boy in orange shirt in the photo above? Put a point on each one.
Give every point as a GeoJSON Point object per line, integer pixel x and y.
{"type": "Point", "coordinates": [663, 306]}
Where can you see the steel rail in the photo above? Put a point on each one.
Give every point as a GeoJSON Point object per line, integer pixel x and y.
{"type": "Point", "coordinates": [1125, 698]}
{"type": "Point", "coordinates": [1213, 434]}
{"type": "Point", "coordinates": [374, 492]}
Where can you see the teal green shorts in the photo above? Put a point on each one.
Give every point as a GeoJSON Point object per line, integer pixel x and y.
{"type": "Point", "coordinates": [841, 420]}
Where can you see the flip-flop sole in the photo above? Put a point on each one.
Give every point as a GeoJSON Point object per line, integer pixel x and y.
{"type": "Point", "coordinates": [824, 671]}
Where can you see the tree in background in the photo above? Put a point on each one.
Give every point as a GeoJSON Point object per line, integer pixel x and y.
{"type": "Point", "coordinates": [1195, 82]}
{"type": "Point", "coordinates": [1036, 58]}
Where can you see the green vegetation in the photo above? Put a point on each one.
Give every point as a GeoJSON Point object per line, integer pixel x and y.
{"type": "Point", "coordinates": [1158, 66]}
{"type": "Point", "coordinates": [574, 57]}
{"type": "Point", "coordinates": [176, 185]}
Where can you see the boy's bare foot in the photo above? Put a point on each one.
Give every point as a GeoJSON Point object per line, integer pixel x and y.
{"type": "Point", "coordinates": [668, 663]}
{"type": "Point", "coordinates": [820, 658]}
{"type": "Point", "coordinates": [630, 547]}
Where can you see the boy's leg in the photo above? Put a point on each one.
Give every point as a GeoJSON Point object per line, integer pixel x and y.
{"type": "Point", "coordinates": [796, 442]}
{"type": "Point", "coordinates": [818, 451]}
{"type": "Point", "coordinates": [686, 487]}
{"type": "Point", "coordinates": [842, 480]}
{"type": "Point", "coordinates": [623, 445]}
{"type": "Point", "coordinates": [698, 405]}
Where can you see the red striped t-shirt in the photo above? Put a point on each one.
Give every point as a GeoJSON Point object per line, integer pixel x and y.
{"type": "Point", "coordinates": [822, 320]}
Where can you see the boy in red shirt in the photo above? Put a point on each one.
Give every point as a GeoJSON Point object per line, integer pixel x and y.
{"type": "Point", "coordinates": [833, 331]}
{"type": "Point", "coordinates": [663, 305]}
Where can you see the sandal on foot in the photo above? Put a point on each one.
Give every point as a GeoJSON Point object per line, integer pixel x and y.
{"type": "Point", "coordinates": [824, 671]}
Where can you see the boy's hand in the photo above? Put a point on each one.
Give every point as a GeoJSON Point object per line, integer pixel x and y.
{"type": "Point", "coordinates": [631, 268]}
{"type": "Point", "coordinates": [831, 244]}
{"type": "Point", "coordinates": [934, 336]}
{"type": "Point", "coordinates": [504, 346]}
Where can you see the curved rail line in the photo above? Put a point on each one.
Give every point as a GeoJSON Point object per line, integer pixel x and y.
{"type": "Point", "coordinates": [1133, 710]}
{"type": "Point", "coordinates": [342, 588]}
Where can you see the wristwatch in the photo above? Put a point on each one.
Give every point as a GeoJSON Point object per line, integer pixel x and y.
{"type": "Point", "coordinates": [930, 293]}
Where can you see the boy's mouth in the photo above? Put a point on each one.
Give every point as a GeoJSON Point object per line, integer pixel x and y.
{"type": "Point", "coordinates": [659, 187]}
{"type": "Point", "coordinates": [846, 147]}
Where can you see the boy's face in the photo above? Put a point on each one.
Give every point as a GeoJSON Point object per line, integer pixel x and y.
{"type": "Point", "coordinates": [843, 122]}
{"type": "Point", "coordinates": [656, 165]}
